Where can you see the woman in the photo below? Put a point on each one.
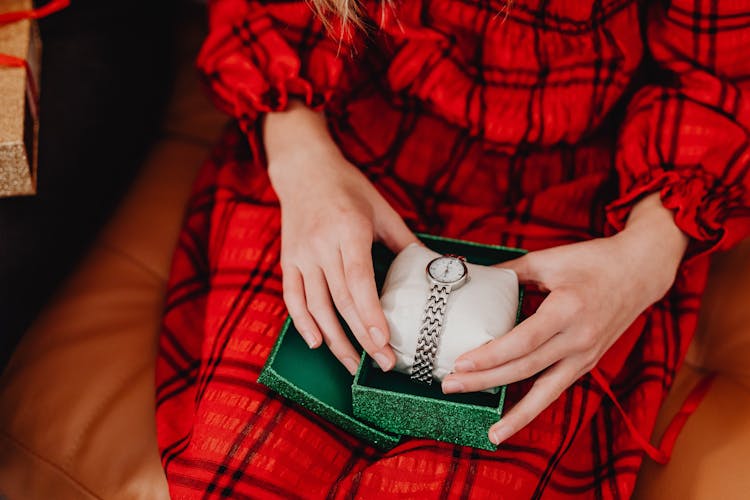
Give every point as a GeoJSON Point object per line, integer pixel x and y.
{"type": "Point", "coordinates": [545, 125]}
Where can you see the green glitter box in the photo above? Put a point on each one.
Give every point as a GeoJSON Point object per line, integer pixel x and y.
{"type": "Point", "coordinates": [315, 379]}
{"type": "Point", "coordinates": [378, 406]}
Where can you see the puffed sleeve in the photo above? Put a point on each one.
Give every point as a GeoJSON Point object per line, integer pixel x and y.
{"type": "Point", "coordinates": [688, 137]}
{"type": "Point", "coordinates": [260, 53]}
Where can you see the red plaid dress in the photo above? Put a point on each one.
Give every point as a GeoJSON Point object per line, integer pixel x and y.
{"type": "Point", "coordinates": [533, 126]}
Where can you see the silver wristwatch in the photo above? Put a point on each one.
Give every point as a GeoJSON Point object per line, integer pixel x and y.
{"type": "Point", "coordinates": [446, 273]}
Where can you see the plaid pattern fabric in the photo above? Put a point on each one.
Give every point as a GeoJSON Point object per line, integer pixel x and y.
{"type": "Point", "coordinates": [532, 127]}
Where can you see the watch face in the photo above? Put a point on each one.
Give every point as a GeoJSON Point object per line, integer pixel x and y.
{"type": "Point", "coordinates": [447, 269]}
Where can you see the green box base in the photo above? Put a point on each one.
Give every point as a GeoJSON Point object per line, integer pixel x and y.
{"type": "Point", "coordinates": [378, 406]}
{"type": "Point", "coordinates": [393, 401]}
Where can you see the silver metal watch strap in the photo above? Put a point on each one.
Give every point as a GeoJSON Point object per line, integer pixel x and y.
{"type": "Point", "coordinates": [429, 333]}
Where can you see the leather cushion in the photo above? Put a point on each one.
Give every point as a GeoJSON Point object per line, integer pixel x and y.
{"type": "Point", "coordinates": [77, 400]}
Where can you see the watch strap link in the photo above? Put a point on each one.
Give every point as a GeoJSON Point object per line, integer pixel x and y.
{"type": "Point", "coordinates": [428, 338]}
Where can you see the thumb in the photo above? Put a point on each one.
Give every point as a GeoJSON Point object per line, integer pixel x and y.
{"type": "Point", "coordinates": [524, 267]}
{"type": "Point", "coordinates": [394, 232]}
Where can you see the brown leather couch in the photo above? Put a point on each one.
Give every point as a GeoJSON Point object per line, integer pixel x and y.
{"type": "Point", "coordinates": [77, 401]}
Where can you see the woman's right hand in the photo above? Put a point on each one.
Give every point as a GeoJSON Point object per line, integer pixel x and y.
{"type": "Point", "coordinates": [330, 216]}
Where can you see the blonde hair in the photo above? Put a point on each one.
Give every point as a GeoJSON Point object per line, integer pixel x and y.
{"type": "Point", "coordinates": [349, 12]}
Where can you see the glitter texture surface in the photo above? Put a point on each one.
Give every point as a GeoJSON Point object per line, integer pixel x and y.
{"type": "Point", "coordinates": [379, 406]}
{"type": "Point", "coordinates": [425, 412]}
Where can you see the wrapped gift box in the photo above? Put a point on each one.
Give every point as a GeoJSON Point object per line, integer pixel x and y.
{"type": "Point", "coordinates": [19, 126]}
{"type": "Point", "coordinates": [378, 406]}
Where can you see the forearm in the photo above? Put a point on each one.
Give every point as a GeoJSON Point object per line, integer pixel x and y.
{"type": "Point", "coordinates": [298, 131]}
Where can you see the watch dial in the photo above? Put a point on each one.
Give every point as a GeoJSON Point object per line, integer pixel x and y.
{"type": "Point", "coordinates": [447, 269]}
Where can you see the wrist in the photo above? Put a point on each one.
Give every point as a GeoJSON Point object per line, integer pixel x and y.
{"type": "Point", "coordinates": [650, 216]}
{"type": "Point", "coordinates": [294, 139]}
{"type": "Point", "coordinates": [654, 245]}
{"type": "Point", "coordinates": [295, 133]}
{"type": "Point", "coordinates": [289, 162]}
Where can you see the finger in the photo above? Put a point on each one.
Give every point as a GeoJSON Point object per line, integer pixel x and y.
{"type": "Point", "coordinates": [296, 304]}
{"type": "Point", "coordinates": [520, 341]}
{"type": "Point", "coordinates": [552, 351]}
{"type": "Point", "coordinates": [525, 268]}
{"type": "Point", "coordinates": [545, 390]}
{"type": "Point", "coordinates": [321, 309]}
{"type": "Point", "coordinates": [360, 280]}
{"type": "Point", "coordinates": [394, 232]}
{"type": "Point", "coordinates": [342, 298]}
{"type": "Point", "coordinates": [555, 314]}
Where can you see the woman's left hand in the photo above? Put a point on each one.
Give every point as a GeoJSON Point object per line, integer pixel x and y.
{"type": "Point", "coordinates": [597, 288]}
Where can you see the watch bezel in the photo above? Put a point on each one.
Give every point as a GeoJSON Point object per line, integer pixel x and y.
{"type": "Point", "coordinates": [455, 283]}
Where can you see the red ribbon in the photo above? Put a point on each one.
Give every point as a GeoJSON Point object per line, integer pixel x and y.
{"type": "Point", "coordinates": [663, 452]}
{"type": "Point", "coordinates": [12, 61]}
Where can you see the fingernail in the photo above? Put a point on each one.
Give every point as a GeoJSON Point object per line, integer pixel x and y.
{"type": "Point", "coordinates": [383, 361]}
{"type": "Point", "coordinates": [452, 386]}
{"type": "Point", "coordinates": [378, 337]}
{"type": "Point", "coordinates": [309, 338]}
{"type": "Point", "coordinates": [499, 434]}
{"type": "Point", "coordinates": [493, 438]}
{"type": "Point", "coordinates": [464, 365]}
{"type": "Point", "coordinates": [351, 365]}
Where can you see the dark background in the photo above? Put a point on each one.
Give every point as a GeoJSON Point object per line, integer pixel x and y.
{"type": "Point", "coordinates": [106, 74]}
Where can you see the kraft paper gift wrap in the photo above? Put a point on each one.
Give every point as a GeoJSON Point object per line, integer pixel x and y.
{"type": "Point", "coordinates": [381, 407]}
{"type": "Point", "coordinates": [19, 126]}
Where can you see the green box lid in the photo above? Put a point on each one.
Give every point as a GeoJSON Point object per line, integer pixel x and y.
{"type": "Point", "coordinates": [315, 379]}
